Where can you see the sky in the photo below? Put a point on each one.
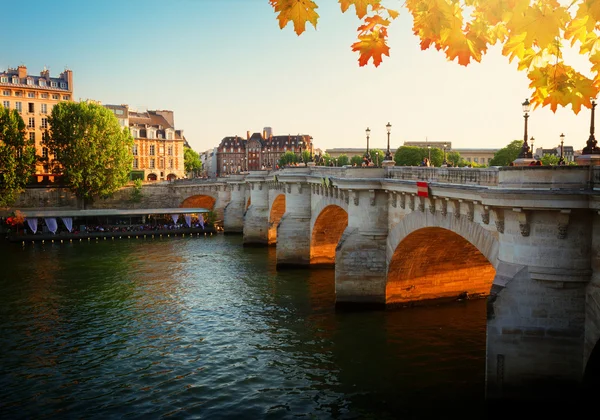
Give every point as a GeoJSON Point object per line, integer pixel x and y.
{"type": "Point", "coordinates": [224, 67]}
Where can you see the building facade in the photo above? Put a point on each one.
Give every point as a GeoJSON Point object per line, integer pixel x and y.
{"type": "Point", "coordinates": [158, 146]}
{"type": "Point", "coordinates": [258, 151]}
{"type": "Point", "coordinates": [34, 97]}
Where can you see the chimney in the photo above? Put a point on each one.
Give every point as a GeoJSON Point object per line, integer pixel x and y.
{"type": "Point", "coordinates": [22, 71]}
{"type": "Point", "coordinates": [248, 135]}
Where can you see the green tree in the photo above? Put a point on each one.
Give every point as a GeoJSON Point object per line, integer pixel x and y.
{"type": "Point", "coordinates": [455, 159]}
{"type": "Point", "coordinates": [17, 156]}
{"type": "Point", "coordinates": [506, 155]}
{"type": "Point", "coordinates": [549, 159]}
{"type": "Point", "coordinates": [136, 192]}
{"type": "Point", "coordinates": [305, 156]}
{"type": "Point", "coordinates": [343, 160]}
{"type": "Point", "coordinates": [409, 155]}
{"type": "Point", "coordinates": [356, 160]}
{"type": "Point", "coordinates": [287, 158]}
{"type": "Point", "coordinates": [191, 161]}
{"type": "Point", "coordinates": [377, 156]}
{"type": "Point", "coordinates": [92, 149]}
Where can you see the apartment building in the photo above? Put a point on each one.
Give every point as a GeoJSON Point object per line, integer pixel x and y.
{"type": "Point", "coordinates": [33, 97]}
{"type": "Point", "coordinates": [158, 146]}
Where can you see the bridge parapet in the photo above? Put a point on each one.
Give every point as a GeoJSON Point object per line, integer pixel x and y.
{"type": "Point", "coordinates": [466, 176]}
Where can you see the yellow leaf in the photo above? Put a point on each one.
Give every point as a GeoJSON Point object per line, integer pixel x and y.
{"type": "Point", "coordinates": [392, 13]}
{"type": "Point", "coordinates": [361, 6]}
{"type": "Point", "coordinates": [371, 45]}
{"type": "Point", "coordinates": [514, 47]}
{"type": "Point", "coordinates": [298, 11]}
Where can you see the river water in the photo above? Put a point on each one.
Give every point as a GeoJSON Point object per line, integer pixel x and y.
{"type": "Point", "coordinates": [203, 327]}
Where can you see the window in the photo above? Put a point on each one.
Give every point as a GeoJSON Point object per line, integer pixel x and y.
{"type": "Point", "coordinates": [171, 163]}
{"type": "Point", "coordinates": [52, 84]}
{"type": "Point", "coordinates": [170, 150]}
{"type": "Point", "coordinates": [3, 79]}
{"type": "Point", "coordinates": [31, 107]}
{"type": "Point", "coordinates": [151, 163]}
{"type": "Point", "coordinates": [6, 92]}
{"type": "Point", "coordinates": [119, 111]}
{"type": "Point", "coordinates": [169, 136]}
{"type": "Point", "coordinates": [45, 152]}
{"type": "Point", "coordinates": [161, 163]}
{"type": "Point", "coordinates": [150, 134]}
{"type": "Point", "coordinates": [29, 81]}
{"type": "Point", "coordinates": [32, 136]}
{"type": "Point", "coordinates": [135, 163]}
{"type": "Point", "coordinates": [42, 82]}
{"type": "Point", "coordinates": [160, 136]}
{"type": "Point", "coordinates": [63, 85]}
{"type": "Point", "coordinates": [66, 97]}
{"type": "Point", "coordinates": [31, 94]}
{"type": "Point", "coordinates": [6, 104]}
{"type": "Point", "coordinates": [468, 159]}
{"type": "Point", "coordinates": [18, 93]}
{"type": "Point", "coordinates": [44, 96]}
{"type": "Point", "coordinates": [476, 160]}
{"type": "Point", "coordinates": [134, 150]}
{"type": "Point", "coordinates": [31, 122]}
{"type": "Point", "coordinates": [134, 133]}
{"type": "Point", "coordinates": [19, 106]}
{"type": "Point", "coordinates": [55, 96]}
{"type": "Point", "coordinates": [161, 150]}
{"type": "Point", "coordinates": [15, 80]}
{"type": "Point", "coordinates": [152, 151]}
{"type": "Point", "coordinates": [44, 123]}
{"type": "Point", "coordinates": [44, 109]}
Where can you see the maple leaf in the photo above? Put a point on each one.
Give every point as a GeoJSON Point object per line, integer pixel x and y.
{"type": "Point", "coordinates": [297, 11]}
{"type": "Point", "coordinates": [361, 6]}
{"type": "Point", "coordinates": [514, 47]}
{"type": "Point", "coordinates": [372, 45]}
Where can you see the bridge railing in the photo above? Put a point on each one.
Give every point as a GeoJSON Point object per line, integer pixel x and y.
{"type": "Point", "coordinates": [465, 176]}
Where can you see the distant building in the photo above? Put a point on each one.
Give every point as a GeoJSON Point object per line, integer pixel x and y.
{"type": "Point", "coordinates": [258, 151]}
{"type": "Point", "coordinates": [158, 146]}
{"type": "Point", "coordinates": [479, 156]}
{"type": "Point", "coordinates": [209, 163]}
{"type": "Point", "coordinates": [568, 153]}
{"type": "Point", "coordinates": [432, 144]}
{"type": "Point", "coordinates": [336, 152]}
{"type": "Point", "coordinates": [33, 97]}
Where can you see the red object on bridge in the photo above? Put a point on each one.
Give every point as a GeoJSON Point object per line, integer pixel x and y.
{"type": "Point", "coordinates": [422, 189]}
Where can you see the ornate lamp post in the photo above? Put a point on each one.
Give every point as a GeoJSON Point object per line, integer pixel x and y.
{"type": "Point", "coordinates": [561, 161]}
{"type": "Point", "coordinates": [445, 162]}
{"type": "Point", "coordinates": [591, 147]}
{"type": "Point", "coordinates": [531, 140]}
{"type": "Point", "coordinates": [429, 153]}
{"type": "Point", "coordinates": [525, 151]}
{"type": "Point", "coordinates": [367, 155]}
{"type": "Point", "coordinates": [388, 154]}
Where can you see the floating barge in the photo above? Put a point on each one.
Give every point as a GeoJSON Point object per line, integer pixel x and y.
{"type": "Point", "coordinates": [112, 223]}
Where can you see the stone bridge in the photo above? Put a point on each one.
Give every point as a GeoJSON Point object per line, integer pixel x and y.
{"type": "Point", "coordinates": [526, 237]}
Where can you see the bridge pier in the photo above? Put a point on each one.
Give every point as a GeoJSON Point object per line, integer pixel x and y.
{"type": "Point", "coordinates": [537, 308]}
{"type": "Point", "coordinates": [293, 232]}
{"type": "Point", "coordinates": [256, 220]}
{"type": "Point", "coordinates": [360, 258]}
{"type": "Point", "coordinates": [233, 215]}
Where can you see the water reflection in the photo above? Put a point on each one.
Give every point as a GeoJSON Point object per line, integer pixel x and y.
{"type": "Point", "coordinates": [206, 327]}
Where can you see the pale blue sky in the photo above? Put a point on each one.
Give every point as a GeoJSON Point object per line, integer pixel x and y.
{"type": "Point", "coordinates": [225, 67]}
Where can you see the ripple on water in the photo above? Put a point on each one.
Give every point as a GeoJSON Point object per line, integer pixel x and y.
{"type": "Point", "coordinates": [203, 327]}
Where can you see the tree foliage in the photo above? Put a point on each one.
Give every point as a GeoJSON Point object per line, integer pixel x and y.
{"type": "Point", "coordinates": [549, 160]}
{"type": "Point", "coordinates": [305, 156]}
{"type": "Point", "coordinates": [287, 158]}
{"type": "Point", "coordinates": [92, 149]}
{"type": "Point", "coordinates": [343, 160]}
{"type": "Point", "coordinates": [191, 161]}
{"type": "Point", "coordinates": [356, 160]}
{"type": "Point", "coordinates": [532, 32]}
{"type": "Point", "coordinates": [17, 156]}
{"type": "Point", "coordinates": [506, 155]}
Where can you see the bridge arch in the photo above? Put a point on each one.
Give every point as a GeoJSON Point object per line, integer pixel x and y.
{"type": "Point", "coordinates": [275, 215]}
{"type": "Point", "coordinates": [201, 201]}
{"type": "Point", "coordinates": [327, 231]}
{"type": "Point", "coordinates": [433, 257]}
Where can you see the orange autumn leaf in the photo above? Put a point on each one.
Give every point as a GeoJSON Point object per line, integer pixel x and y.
{"type": "Point", "coordinates": [371, 46]}
{"type": "Point", "coordinates": [361, 6]}
{"type": "Point", "coordinates": [297, 11]}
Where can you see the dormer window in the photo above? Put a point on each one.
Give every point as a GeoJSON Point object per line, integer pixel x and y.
{"type": "Point", "coordinates": [15, 80]}
{"type": "Point", "coordinates": [169, 135]}
{"type": "Point", "coordinates": [53, 84]}
{"type": "Point", "coordinates": [63, 85]}
{"type": "Point", "coordinates": [3, 79]}
{"type": "Point", "coordinates": [30, 81]}
{"type": "Point", "coordinates": [42, 82]}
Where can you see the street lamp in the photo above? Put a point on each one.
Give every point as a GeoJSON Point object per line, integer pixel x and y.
{"type": "Point", "coordinates": [388, 154]}
{"type": "Point", "coordinates": [525, 152]}
{"type": "Point", "coordinates": [531, 140]}
{"type": "Point", "coordinates": [561, 161]}
{"type": "Point", "coordinates": [336, 162]}
{"type": "Point", "coordinates": [591, 147]}
{"type": "Point", "coordinates": [445, 162]}
{"type": "Point", "coordinates": [367, 155]}
{"type": "Point", "coordinates": [429, 153]}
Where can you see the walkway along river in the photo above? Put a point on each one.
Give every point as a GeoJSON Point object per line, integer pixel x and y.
{"type": "Point", "coordinates": [202, 327]}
